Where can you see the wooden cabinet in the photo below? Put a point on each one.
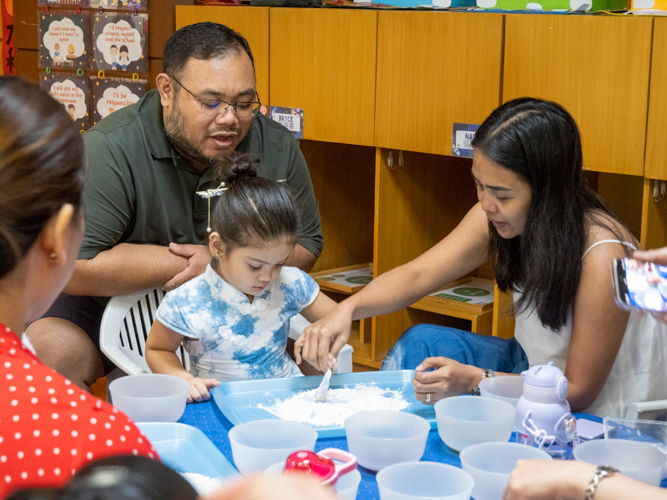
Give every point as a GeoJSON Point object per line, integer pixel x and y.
{"type": "Point", "coordinates": [654, 215]}
{"type": "Point", "coordinates": [656, 140]}
{"type": "Point", "coordinates": [343, 178]}
{"type": "Point", "coordinates": [597, 68]}
{"type": "Point", "coordinates": [251, 22]}
{"type": "Point", "coordinates": [417, 204]}
{"type": "Point", "coordinates": [323, 61]}
{"type": "Point", "coordinates": [435, 69]}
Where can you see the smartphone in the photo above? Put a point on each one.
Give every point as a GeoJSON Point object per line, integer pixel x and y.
{"type": "Point", "coordinates": [640, 285]}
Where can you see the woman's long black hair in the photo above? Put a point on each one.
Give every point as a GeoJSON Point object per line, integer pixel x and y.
{"type": "Point", "coordinates": [540, 141]}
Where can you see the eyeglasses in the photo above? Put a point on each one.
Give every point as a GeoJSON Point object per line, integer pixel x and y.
{"type": "Point", "coordinates": [214, 108]}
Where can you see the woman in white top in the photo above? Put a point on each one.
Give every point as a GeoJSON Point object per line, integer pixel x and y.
{"type": "Point", "coordinates": [553, 241]}
{"type": "Point", "coordinates": [556, 479]}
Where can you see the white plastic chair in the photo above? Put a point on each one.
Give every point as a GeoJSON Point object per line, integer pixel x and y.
{"type": "Point", "coordinates": [128, 318]}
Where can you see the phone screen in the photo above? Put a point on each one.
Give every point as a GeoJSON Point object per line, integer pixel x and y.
{"type": "Point", "coordinates": [642, 284]}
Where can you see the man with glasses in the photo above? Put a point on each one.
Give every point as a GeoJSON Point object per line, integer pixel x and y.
{"type": "Point", "coordinates": [146, 226]}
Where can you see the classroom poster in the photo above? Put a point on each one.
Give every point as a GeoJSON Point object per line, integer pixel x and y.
{"type": "Point", "coordinates": [112, 94]}
{"type": "Point", "coordinates": [120, 42]}
{"type": "Point", "coordinates": [120, 4]}
{"type": "Point", "coordinates": [7, 37]}
{"type": "Point", "coordinates": [73, 92]}
{"type": "Point", "coordinates": [63, 40]}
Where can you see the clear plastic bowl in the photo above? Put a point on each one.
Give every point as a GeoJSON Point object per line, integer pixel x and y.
{"type": "Point", "coordinates": [382, 438]}
{"type": "Point", "coordinates": [259, 444]}
{"type": "Point", "coordinates": [648, 431]}
{"type": "Point", "coordinates": [468, 420]}
{"type": "Point", "coordinates": [490, 465]}
{"type": "Point", "coordinates": [150, 397]}
{"type": "Point", "coordinates": [424, 481]}
{"type": "Point", "coordinates": [640, 461]}
{"type": "Point", "coordinates": [508, 389]}
{"type": "Point", "coordinates": [346, 486]}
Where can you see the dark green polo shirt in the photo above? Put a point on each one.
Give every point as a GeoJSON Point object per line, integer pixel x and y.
{"type": "Point", "coordinates": [141, 190]}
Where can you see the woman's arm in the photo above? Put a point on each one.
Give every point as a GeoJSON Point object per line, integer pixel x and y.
{"type": "Point", "coordinates": [161, 346]}
{"type": "Point", "coordinates": [564, 480]}
{"type": "Point", "coordinates": [598, 326]}
{"type": "Point", "coordinates": [461, 252]}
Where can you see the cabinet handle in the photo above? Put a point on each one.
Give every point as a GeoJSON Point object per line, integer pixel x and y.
{"type": "Point", "coordinates": [400, 159]}
{"type": "Point", "coordinates": [390, 160]}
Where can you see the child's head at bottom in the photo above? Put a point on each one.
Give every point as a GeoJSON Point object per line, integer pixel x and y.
{"type": "Point", "coordinates": [255, 226]}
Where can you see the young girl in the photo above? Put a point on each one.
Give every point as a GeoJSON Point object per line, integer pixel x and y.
{"type": "Point", "coordinates": [234, 318]}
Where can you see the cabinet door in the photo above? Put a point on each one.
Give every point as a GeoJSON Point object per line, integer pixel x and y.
{"type": "Point", "coordinates": [656, 145]}
{"type": "Point", "coordinates": [251, 22]}
{"type": "Point", "coordinates": [323, 61]}
{"type": "Point", "coordinates": [654, 215]}
{"type": "Point", "coordinates": [416, 205]}
{"type": "Point", "coordinates": [598, 69]}
{"type": "Point", "coordinates": [435, 69]}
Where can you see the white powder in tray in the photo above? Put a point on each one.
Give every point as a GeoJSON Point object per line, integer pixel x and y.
{"type": "Point", "coordinates": [339, 404]}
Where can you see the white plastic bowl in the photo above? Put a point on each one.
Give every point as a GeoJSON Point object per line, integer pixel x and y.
{"type": "Point", "coordinates": [468, 420]}
{"type": "Point", "coordinates": [508, 389]}
{"type": "Point", "coordinates": [424, 481]}
{"type": "Point", "coordinates": [259, 444]}
{"type": "Point", "coordinates": [346, 486]}
{"type": "Point", "coordinates": [640, 461]}
{"type": "Point", "coordinates": [490, 465]}
{"type": "Point", "coordinates": [150, 397]}
{"type": "Point", "coordinates": [382, 438]}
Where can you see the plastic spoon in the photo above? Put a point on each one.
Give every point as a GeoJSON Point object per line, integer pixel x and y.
{"type": "Point", "coordinates": [321, 391]}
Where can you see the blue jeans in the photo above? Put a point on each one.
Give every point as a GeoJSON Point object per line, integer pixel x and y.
{"type": "Point", "coordinates": [484, 351]}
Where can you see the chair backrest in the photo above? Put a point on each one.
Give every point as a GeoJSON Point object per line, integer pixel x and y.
{"type": "Point", "coordinates": [125, 326]}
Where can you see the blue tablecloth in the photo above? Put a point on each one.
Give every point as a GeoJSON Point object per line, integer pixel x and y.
{"type": "Point", "coordinates": [207, 418]}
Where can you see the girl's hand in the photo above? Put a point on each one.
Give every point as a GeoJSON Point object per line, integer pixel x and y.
{"type": "Point", "coordinates": [199, 387]}
{"type": "Point", "coordinates": [449, 378]}
{"type": "Point", "coordinates": [320, 343]}
{"type": "Point", "coordinates": [548, 480]}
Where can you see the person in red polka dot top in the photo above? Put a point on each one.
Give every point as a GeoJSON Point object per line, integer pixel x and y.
{"type": "Point", "coordinates": [49, 428]}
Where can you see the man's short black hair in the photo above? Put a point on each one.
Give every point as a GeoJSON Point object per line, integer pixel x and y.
{"type": "Point", "coordinates": [202, 41]}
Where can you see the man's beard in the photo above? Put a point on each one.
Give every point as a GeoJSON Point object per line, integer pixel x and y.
{"type": "Point", "coordinates": [174, 128]}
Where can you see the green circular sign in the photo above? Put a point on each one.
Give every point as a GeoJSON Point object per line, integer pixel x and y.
{"type": "Point", "coordinates": [360, 280]}
{"type": "Point", "coordinates": [337, 275]}
{"type": "Point", "coordinates": [472, 292]}
{"type": "Point", "coordinates": [327, 278]}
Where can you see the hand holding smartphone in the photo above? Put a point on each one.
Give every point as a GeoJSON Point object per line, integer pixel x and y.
{"type": "Point", "coordinates": [640, 285]}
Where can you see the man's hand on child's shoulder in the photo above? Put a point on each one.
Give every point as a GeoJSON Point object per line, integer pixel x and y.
{"type": "Point", "coordinates": [199, 388]}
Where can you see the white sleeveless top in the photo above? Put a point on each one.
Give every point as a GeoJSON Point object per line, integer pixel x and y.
{"type": "Point", "coordinates": [639, 372]}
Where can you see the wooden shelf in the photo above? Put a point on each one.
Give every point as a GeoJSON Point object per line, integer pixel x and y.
{"type": "Point", "coordinates": [481, 316]}
{"type": "Point", "coordinates": [362, 355]}
{"type": "Point", "coordinates": [360, 340]}
{"type": "Point", "coordinates": [337, 287]}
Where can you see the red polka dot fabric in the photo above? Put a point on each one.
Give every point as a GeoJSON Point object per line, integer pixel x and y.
{"type": "Point", "coordinates": [49, 428]}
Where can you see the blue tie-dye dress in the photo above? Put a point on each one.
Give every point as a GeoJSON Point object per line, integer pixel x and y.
{"type": "Point", "coordinates": [232, 339]}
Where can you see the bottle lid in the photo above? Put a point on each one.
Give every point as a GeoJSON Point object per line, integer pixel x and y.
{"type": "Point", "coordinates": [543, 375]}
{"type": "Point", "coordinates": [319, 467]}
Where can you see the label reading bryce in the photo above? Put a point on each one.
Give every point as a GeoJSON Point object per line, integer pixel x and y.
{"type": "Point", "coordinates": [290, 118]}
{"type": "Point", "coordinates": [462, 138]}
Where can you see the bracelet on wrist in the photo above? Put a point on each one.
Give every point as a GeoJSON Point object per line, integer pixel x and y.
{"type": "Point", "coordinates": [603, 471]}
{"type": "Point", "coordinates": [486, 373]}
